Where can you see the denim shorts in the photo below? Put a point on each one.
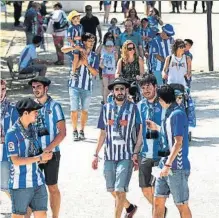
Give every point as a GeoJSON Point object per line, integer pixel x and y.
{"type": "Point", "coordinates": [176, 184]}
{"type": "Point", "coordinates": [5, 173]}
{"type": "Point", "coordinates": [79, 96]}
{"type": "Point", "coordinates": [117, 175]}
{"type": "Point", "coordinates": [35, 198]}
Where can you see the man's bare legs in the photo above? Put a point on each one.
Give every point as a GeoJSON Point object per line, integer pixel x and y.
{"type": "Point", "coordinates": [126, 202]}
{"type": "Point", "coordinates": [55, 200]}
{"type": "Point", "coordinates": [184, 211]}
{"type": "Point", "coordinates": [159, 207]}
{"type": "Point", "coordinates": [120, 201]}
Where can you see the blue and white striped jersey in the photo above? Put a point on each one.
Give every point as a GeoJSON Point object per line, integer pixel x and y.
{"type": "Point", "coordinates": [175, 124]}
{"type": "Point", "coordinates": [162, 48]}
{"type": "Point", "coordinates": [23, 176]}
{"type": "Point", "coordinates": [9, 117]}
{"type": "Point", "coordinates": [85, 77]}
{"type": "Point", "coordinates": [51, 113]}
{"type": "Point", "coordinates": [74, 31]}
{"type": "Point", "coordinates": [120, 124]}
{"type": "Point", "coordinates": [115, 30]}
{"type": "Point", "coordinates": [154, 112]}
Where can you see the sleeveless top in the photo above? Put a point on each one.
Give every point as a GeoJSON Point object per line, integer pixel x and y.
{"type": "Point", "coordinates": [130, 70]}
{"type": "Point", "coordinates": [177, 70]}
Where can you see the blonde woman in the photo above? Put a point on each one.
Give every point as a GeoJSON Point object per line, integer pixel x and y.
{"type": "Point", "coordinates": [130, 66]}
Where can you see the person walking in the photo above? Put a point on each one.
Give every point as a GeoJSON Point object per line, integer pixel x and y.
{"type": "Point", "coordinates": [147, 155]}
{"type": "Point", "coordinates": [130, 66]}
{"type": "Point", "coordinates": [114, 119]}
{"type": "Point", "coordinates": [26, 183]}
{"type": "Point", "coordinates": [51, 132]}
{"type": "Point", "coordinates": [57, 26]}
{"type": "Point", "coordinates": [91, 24]}
{"type": "Point", "coordinates": [9, 116]}
{"type": "Point", "coordinates": [80, 90]}
{"type": "Point", "coordinates": [160, 48]}
{"type": "Point", "coordinates": [17, 13]}
{"type": "Point", "coordinates": [174, 166]}
{"type": "Point", "coordinates": [177, 67]}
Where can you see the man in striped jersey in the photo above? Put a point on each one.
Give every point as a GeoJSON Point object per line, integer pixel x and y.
{"type": "Point", "coordinates": [9, 116]}
{"type": "Point", "coordinates": [51, 132]}
{"type": "Point", "coordinates": [149, 108]}
{"type": "Point", "coordinates": [80, 90]}
{"type": "Point", "coordinates": [174, 164]}
{"type": "Point", "coordinates": [26, 181]}
{"type": "Point", "coordinates": [160, 48]}
{"type": "Point", "coordinates": [119, 122]}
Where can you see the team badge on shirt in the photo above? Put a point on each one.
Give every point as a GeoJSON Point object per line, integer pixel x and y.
{"type": "Point", "coordinates": [11, 147]}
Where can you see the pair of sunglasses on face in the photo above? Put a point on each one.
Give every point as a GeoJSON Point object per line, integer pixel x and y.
{"type": "Point", "coordinates": [131, 48]}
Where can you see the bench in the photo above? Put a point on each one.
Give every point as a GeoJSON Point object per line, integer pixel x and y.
{"type": "Point", "coordinates": [16, 75]}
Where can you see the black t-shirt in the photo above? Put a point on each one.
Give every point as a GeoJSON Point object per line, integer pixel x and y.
{"type": "Point", "coordinates": [90, 24]}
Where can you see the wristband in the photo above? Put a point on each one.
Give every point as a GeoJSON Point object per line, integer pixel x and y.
{"type": "Point", "coordinates": [97, 156]}
{"type": "Point", "coordinates": [167, 165]}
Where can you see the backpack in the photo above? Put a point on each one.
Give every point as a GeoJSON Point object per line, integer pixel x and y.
{"type": "Point", "coordinates": [61, 25]}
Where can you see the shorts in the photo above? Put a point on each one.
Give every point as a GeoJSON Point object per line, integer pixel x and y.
{"type": "Point", "coordinates": [36, 198]}
{"type": "Point", "coordinates": [117, 175]}
{"type": "Point", "coordinates": [51, 169]}
{"type": "Point", "coordinates": [146, 180]}
{"type": "Point", "coordinates": [5, 174]}
{"type": "Point", "coordinates": [77, 96]}
{"type": "Point", "coordinates": [177, 185]}
{"type": "Point", "coordinates": [158, 75]}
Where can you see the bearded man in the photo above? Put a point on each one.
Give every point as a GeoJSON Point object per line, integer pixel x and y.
{"type": "Point", "coordinates": [118, 123]}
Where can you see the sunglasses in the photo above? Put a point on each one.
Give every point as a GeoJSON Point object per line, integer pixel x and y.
{"type": "Point", "coordinates": [179, 97]}
{"type": "Point", "coordinates": [130, 48]}
{"type": "Point", "coordinates": [119, 89]}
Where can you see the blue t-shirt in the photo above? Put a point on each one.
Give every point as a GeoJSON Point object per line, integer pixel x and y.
{"type": "Point", "coordinates": [85, 77]}
{"type": "Point", "coordinates": [189, 54]}
{"type": "Point", "coordinates": [10, 117]}
{"type": "Point", "coordinates": [153, 21]}
{"type": "Point", "coordinates": [134, 37]}
{"type": "Point", "coordinates": [23, 176]}
{"type": "Point", "coordinates": [154, 112]}
{"type": "Point", "coordinates": [175, 124]}
{"type": "Point", "coordinates": [27, 55]}
{"type": "Point", "coordinates": [51, 113]}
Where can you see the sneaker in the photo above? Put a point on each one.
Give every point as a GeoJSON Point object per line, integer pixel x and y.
{"type": "Point", "coordinates": [132, 213]}
{"type": "Point", "coordinates": [75, 136]}
{"type": "Point", "coordinates": [81, 135]}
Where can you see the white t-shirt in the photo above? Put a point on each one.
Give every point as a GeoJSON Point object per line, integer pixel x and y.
{"type": "Point", "coordinates": [177, 70]}
{"type": "Point", "coordinates": [109, 61]}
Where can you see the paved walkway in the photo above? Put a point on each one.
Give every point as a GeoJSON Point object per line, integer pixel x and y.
{"type": "Point", "coordinates": [83, 190]}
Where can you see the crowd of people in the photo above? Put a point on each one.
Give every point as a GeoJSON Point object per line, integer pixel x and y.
{"type": "Point", "coordinates": [145, 113]}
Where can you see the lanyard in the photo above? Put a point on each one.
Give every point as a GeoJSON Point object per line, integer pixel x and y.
{"type": "Point", "coordinates": [30, 134]}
